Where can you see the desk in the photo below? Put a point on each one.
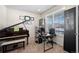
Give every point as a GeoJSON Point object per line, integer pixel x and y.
{"type": "Point", "coordinates": [45, 37]}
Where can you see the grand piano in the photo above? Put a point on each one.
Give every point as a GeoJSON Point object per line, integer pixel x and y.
{"type": "Point", "coordinates": [9, 37]}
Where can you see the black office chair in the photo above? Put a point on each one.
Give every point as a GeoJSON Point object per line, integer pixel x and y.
{"type": "Point", "coordinates": [52, 35]}
{"type": "Point", "coordinates": [52, 32]}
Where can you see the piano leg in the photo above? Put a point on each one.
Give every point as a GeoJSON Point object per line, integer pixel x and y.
{"type": "Point", "coordinates": [3, 49]}
{"type": "Point", "coordinates": [27, 40]}
{"type": "Point", "coordinates": [23, 44]}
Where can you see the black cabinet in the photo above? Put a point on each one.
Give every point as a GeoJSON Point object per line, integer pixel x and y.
{"type": "Point", "coordinates": [70, 30]}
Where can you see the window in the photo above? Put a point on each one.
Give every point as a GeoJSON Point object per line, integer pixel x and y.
{"type": "Point", "coordinates": [55, 20]}
{"type": "Point", "coordinates": [58, 22]}
{"type": "Point", "coordinates": [49, 22]}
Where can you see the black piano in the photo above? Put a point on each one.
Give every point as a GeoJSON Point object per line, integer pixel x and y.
{"type": "Point", "coordinates": [8, 34]}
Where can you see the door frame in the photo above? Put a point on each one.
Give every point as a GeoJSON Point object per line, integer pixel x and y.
{"type": "Point", "coordinates": [76, 29]}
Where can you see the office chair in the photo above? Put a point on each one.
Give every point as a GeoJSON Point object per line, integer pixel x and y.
{"type": "Point", "coordinates": [51, 36]}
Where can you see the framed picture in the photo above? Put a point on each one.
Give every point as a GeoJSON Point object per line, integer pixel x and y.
{"type": "Point", "coordinates": [32, 18]}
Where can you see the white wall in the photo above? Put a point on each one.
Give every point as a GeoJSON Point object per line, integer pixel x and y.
{"type": "Point", "coordinates": [13, 18]}
{"type": "Point", "coordinates": [3, 17]}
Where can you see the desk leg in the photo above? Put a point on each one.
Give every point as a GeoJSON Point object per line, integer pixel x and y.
{"type": "Point", "coordinates": [52, 42]}
{"type": "Point", "coordinates": [44, 46]}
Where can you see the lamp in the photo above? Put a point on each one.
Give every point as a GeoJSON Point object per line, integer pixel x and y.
{"type": "Point", "coordinates": [27, 18]}
{"type": "Point", "coordinates": [32, 18]}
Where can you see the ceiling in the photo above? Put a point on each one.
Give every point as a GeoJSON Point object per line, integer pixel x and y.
{"type": "Point", "coordinates": [32, 8]}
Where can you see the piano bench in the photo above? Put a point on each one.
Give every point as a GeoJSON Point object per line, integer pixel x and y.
{"type": "Point", "coordinates": [12, 42]}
